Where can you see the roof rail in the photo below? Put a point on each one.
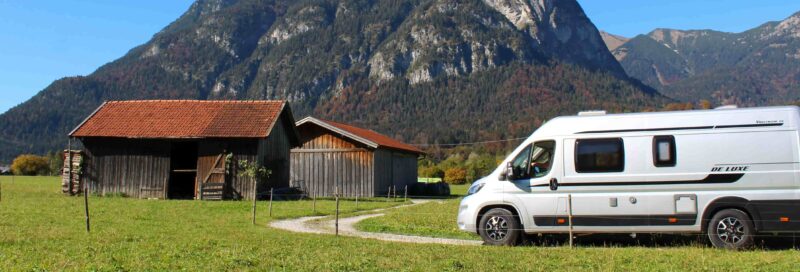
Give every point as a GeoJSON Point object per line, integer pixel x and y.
{"type": "Point", "coordinates": [592, 113]}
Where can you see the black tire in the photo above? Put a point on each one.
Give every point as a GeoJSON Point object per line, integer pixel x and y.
{"type": "Point", "coordinates": [499, 227]}
{"type": "Point", "coordinates": [731, 229]}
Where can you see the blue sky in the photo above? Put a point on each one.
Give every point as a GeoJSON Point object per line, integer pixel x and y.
{"type": "Point", "coordinates": [44, 40]}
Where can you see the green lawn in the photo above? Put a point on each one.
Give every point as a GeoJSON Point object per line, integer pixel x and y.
{"type": "Point", "coordinates": [42, 230]}
{"type": "Point", "coordinates": [433, 219]}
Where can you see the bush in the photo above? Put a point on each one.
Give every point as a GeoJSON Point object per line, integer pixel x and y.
{"type": "Point", "coordinates": [30, 165]}
{"type": "Point", "coordinates": [430, 172]}
{"type": "Point", "coordinates": [455, 175]}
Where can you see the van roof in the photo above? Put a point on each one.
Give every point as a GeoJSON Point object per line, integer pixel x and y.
{"type": "Point", "coordinates": [783, 116]}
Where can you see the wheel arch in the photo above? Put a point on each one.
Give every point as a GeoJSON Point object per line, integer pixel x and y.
{"type": "Point", "coordinates": [730, 203]}
{"type": "Point", "coordinates": [483, 210]}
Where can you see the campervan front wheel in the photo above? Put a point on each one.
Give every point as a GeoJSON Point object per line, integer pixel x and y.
{"type": "Point", "coordinates": [731, 229]}
{"type": "Point", "coordinates": [499, 227]}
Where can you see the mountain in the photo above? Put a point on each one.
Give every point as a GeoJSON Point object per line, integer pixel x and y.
{"type": "Point", "coordinates": [424, 71]}
{"type": "Point", "coordinates": [760, 66]}
{"type": "Point", "coordinates": [612, 41]}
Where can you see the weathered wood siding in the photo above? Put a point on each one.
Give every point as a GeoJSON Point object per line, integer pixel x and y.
{"type": "Point", "coordinates": [394, 169]}
{"type": "Point", "coordinates": [313, 137]}
{"type": "Point", "coordinates": [321, 171]}
{"type": "Point", "coordinates": [326, 161]}
{"type": "Point", "coordinates": [136, 168]}
{"type": "Point", "coordinates": [274, 153]}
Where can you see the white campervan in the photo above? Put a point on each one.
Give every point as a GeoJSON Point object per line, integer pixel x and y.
{"type": "Point", "coordinates": [730, 173]}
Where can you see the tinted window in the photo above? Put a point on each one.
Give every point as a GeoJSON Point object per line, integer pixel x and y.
{"type": "Point", "coordinates": [664, 151]}
{"type": "Point", "coordinates": [599, 156]}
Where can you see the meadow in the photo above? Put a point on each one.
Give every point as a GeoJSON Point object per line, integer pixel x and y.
{"type": "Point", "coordinates": [43, 230]}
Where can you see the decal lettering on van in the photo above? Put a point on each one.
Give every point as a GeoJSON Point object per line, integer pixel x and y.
{"type": "Point", "coordinates": [730, 169]}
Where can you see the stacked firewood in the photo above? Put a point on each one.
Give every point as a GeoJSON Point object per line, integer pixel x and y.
{"type": "Point", "coordinates": [72, 186]}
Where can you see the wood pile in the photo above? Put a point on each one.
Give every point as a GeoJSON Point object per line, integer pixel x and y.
{"type": "Point", "coordinates": [72, 186]}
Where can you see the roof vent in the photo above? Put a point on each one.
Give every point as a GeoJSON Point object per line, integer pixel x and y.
{"type": "Point", "coordinates": [592, 113]}
{"type": "Point", "coordinates": [726, 107]}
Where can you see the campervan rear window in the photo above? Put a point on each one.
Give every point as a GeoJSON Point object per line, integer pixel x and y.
{"type": "Point", "coordinates": [599, 155]}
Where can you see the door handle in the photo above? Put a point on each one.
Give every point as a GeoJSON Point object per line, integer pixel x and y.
{"type": "Point", "coordinates": [553, 184]}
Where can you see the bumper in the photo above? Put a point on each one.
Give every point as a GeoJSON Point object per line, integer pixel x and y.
{"type": "Point", "coordinates": [466, 216]}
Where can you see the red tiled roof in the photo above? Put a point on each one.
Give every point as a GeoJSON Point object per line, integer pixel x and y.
{"type": "Point", "coordinates": [372, 136]}
{"type": "Point", "coordinates": [175, 119]}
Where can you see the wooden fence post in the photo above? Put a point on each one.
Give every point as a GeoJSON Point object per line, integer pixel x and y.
{"type": "Point", "coordinates": [405, 194]}
{"type": "Point", "coordinates": [315, 202]}
{"type": "Point", "coordinates": [337, 210]}
{"type": "Point", "coordinates": [358, 192]}
{"type": "Point", "coordinates": [271, 193]}
{"type": "Point", "coordinates": [388, 192]}
{"type": "Point", "coordinates": [571, 236]}
{"type": "Point", "coordinates": [85, 202]}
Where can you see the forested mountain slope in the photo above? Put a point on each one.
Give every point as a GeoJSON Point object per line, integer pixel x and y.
{"type": "Point", "coordinates": [424, 71]}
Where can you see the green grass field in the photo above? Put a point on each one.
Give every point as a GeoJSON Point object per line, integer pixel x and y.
{"type": "Point", "coordinates": [433, 219]}
{"type": "Point", "coordinates": [42, 230]}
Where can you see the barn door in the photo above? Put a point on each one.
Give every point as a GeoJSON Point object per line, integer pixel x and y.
{"type": "Point", "coordinates": [211, 173]}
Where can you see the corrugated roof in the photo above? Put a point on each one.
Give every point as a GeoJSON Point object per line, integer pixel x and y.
{"type": "Point", "coordinates": [366, 136]}
{"type": "Point", "coordinates": [176, 119]}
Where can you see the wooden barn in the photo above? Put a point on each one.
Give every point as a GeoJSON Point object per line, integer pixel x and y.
{"type": "Point", "coordinates": [179, 149]}
{"type": "Point", "coordinates": [359, 161]}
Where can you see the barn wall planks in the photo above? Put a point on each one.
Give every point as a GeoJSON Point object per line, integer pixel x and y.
{"type": "Point", "coordinates": [322, 172]}
{"type": "Point", "coordinates": [274, 152]}
{"type": "Point", "coordinates": [394, 169]}
{"type": "Point", "coordinates": [137, 168]}
{"type": "Point", "coordinates": [141, 168]}
{"type": "Point", "coordinates": [318, 138]}
{"type": "Point", "coordinates": [327, 160]}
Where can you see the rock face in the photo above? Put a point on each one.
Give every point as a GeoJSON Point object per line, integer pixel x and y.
{"type": "Point", "coordinates": [333, 57]}
{"type": "Point", "coordinates": [756, 67]}
{"type": "Point", "coordinates": [612, 41]}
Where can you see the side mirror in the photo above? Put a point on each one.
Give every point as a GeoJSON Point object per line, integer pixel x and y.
{"type": "Point", "coordinates": [508, 173]}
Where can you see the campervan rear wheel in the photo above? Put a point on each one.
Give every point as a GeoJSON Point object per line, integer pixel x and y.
{"type": "Point", "coordinates": [731, 229]}
{"type": "Point", "coordinates": [499, 227]}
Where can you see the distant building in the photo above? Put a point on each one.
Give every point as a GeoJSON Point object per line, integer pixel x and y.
{"type": "Point", "coordinates": [178, 148]}
{"type": "Point", "coordinates": [5, 170]}
{"type": "Point", "coordinates": [358, 161]}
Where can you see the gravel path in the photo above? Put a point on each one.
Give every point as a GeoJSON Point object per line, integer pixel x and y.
{"type": "Point", "coordinates": [312, 224]}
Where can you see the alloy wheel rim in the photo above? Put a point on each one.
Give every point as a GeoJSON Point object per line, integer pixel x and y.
{"type": "Point", "coordinates": [730, 230]}
{"type": "Point", "coordinates": [497, 228]}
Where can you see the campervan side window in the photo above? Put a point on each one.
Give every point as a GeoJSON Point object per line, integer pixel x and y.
{"type": "Point", "coordinates": [664, 151]}
{"type": "Point", "coordinates": [599, 155]}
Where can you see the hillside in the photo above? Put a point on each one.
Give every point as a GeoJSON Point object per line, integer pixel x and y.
{"type": "Point", "coordinates": [613, 41]}
{"type": "Point", "coordinates": [424, 71]}
{"type": "Point", "coordinates": [760, 66]}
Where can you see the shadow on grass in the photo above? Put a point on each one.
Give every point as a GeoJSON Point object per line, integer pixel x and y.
{"type": "Point", "coordinates": [764, 242]}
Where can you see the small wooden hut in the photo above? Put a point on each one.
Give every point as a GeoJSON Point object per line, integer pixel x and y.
{"type": "Point", "coordinates": [185, 149]}
{"type": "Point", "coordinates": [358, 161]}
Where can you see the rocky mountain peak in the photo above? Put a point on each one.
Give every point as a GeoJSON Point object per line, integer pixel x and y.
{"type": "Point", "coordinates": [613, 41]}
{"type": "Point", "coordinates": [789, 27]}
{"type": "Point", "coordinates": [559, 28]}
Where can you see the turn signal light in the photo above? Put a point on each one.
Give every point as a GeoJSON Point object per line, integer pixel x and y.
{"type": "Point", "coordinates": [561, 221]}
{"type": "Point", "coordinates": [784, 219]}
{"type": "Point", "coordinates": [673, 220]}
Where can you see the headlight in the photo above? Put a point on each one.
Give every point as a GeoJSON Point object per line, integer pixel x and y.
{"type": "Point", "coordinates": [475, 188]}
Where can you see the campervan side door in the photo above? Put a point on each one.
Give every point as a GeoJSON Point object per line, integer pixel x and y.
{"type": "Point", "coordinates": [540, 164]}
